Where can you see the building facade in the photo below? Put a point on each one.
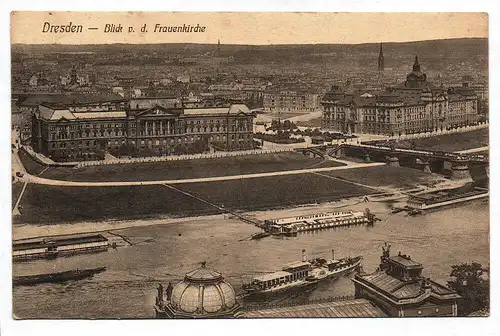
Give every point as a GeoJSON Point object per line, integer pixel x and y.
{"type": "Point", "coordinates": [400, 290]}
{"type": "Point", "coordinates": [139, 127]}
{"type": "Point", "coordinates": [291, 101]}
{"type": "Point", "coordinates": [416, 105]}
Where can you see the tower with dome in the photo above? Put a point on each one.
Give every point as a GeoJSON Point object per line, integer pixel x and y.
{"type": "Point", "coordinates": [202, 294]}
{"type": "Point", "coordinates": [413, 106]}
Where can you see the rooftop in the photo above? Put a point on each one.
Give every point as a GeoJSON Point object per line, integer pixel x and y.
{"type": "Point", "coordinates": [203, 274]}
{"type": "Point", "coordinates": [405, 261]}
{"type": "Point", "coordinates": [272, 276]}
{"type": "Point", "coordinates": [232, 110]}
{"type": "Point", "coordinates": [98, 115]}
{"type": "Point", "coordinates": [383, 281]}
{"type": "Point", "coordinates": [63, 99]}
{"type": "Point", "coordinates": [402, 289]}
{"type": "Point", "coordinates": [347, 308]}
{"type": "Point", "coordinates": [297, 264]}
{"type": "Point", "coordinates": [54, 113]}
{"type": "Point", "coordinates": [33, 243]}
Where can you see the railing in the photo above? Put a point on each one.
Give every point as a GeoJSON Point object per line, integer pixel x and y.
{"type": "Point", "coordinates": [45, 161]}
{"type": "Point", "coordinates": [254, 306]}
{"type": "Point", "coordinates": [443, 132]}
{"type": "Point", "coordinates": [182, 157]}
{"type": "Point", "coordinates": [451, 155]}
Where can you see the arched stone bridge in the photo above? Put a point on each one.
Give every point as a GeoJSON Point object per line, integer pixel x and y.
{"type": "Point", "coordinates": [461, 165]}
{"type": "Point", "coordinates": [313, 151]}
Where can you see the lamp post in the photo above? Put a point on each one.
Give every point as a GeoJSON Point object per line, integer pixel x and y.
{"type": "Point", "coordinates": [227, 129]}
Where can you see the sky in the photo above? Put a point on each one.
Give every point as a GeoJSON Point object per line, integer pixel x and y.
{"type": "Point", "coordinates": [247, 28]}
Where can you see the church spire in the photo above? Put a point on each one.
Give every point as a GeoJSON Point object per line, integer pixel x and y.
{"type": "Point", "coordinates": [381, 59]}
{"type": "Point", "coordinates": [416, 65]}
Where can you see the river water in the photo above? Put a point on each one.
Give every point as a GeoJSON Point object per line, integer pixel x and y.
{"type": "Point", "coordinates": [164, 253]}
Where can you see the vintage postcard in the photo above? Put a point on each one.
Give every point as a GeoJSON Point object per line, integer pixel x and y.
{"type": "Point", "coordinates": [178, 165]}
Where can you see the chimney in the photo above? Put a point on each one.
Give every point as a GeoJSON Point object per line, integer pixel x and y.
{"type": "Point", "coordinates": [333, 254]}
{"type": "Point", "coordinates": [303, 255]}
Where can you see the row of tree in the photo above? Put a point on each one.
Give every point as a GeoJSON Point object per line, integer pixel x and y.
{"type": "Point", "coordinates": [281, 137]}
{"type": "Point", "coordinates": [196, 147]}
{"type": "Point", "coordinates": [277, 125]}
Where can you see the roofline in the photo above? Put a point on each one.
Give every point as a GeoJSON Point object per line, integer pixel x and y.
{"type": "Point", "coordinates": [407, 266]}
{"type": "Point", "coordinates": [394, 299]}
{"type": "Point", "coordinates": [147, 97]}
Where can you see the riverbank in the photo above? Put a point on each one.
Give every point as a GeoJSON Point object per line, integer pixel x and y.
{"type": "Point", "coordinates": [24, 231]}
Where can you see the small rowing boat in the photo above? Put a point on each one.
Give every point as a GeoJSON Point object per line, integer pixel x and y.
{"type": "Point", "coordinates": [56, 277]}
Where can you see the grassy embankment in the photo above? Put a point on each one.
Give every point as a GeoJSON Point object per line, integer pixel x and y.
{"type": "Point", "coordinates": [51, 204]}
{"type": "Point", "coordinates": [456, 141]}
{"type": "Point", "coordinates": [182, 169]}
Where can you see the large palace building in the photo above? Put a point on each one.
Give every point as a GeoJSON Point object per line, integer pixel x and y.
{"type": "Point", "coordinates": [415, 105]}
{"type": "Point", "coordinates": [154, 126]}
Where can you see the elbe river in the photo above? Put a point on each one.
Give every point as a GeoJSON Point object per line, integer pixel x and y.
{"type": "Point", "coordinates": [164, 253]}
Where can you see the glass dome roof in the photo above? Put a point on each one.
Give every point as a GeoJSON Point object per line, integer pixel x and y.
{"type": "Point", "coordinates": [203, 291]}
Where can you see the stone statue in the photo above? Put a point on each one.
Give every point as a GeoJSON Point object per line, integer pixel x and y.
{"type": "Point", "coordinates": [169, 290]}
{"type": "Point", "coordinates": [159, 297]}
{"type": "Point", "coordinates": [386, 250]}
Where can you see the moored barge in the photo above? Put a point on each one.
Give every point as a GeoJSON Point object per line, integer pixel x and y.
{"type": "Point", "coordinates": [443, 197]}
{"type": "Point", "coordinates": [290, 226]}
{"type": "Point", "coordinates": [53, 247]}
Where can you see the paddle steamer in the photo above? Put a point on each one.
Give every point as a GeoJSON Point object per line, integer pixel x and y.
{"type": "Point", "coordinates": [300, 274]}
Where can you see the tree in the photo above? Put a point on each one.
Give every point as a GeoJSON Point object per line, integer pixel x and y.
{"type": "Point", "coordinates": [199, 146]}
{"type": "Point", "coordinates": [145, 152]}
{"type": "Point", "coordinates": [180, 149]}
{"type": "Point", "coordinates": [472, 283]}
{"type": "Point", "coordinates": [100, 155]}
{"type": "Point", "coordinates": [123, 149]}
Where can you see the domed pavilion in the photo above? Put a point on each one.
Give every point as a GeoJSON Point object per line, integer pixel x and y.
{"type": "Point", "coordinates": [202, 294]}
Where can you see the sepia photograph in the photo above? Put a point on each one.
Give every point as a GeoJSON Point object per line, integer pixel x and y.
{"type": "Point", "coordinates": [245, 165]}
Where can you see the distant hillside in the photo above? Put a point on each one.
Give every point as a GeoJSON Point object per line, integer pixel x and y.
{"type": "Point", "coordinates": [423, 47]}
{"type": "Point", "coordinates": [433, 53]}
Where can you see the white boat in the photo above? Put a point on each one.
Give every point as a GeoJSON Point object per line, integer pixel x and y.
{"type": "Point", "coordinates": [300, 274]}
{"type": "Point", "coordinates": [332, 269]}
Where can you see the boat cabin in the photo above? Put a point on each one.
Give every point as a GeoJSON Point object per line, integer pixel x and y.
{"type": "Point", "coordinates": [282, 229]}
{"type": "Point", "coordinates": [270, 280]}
{"type": "Point", "coordinates": [309, 218]}
{"type": "Point", "coordinates": [298, 269]}
{"type": "Point", "coordinates": [332, 264]}
{"type": "Point", "coordinates": [290, 225]}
